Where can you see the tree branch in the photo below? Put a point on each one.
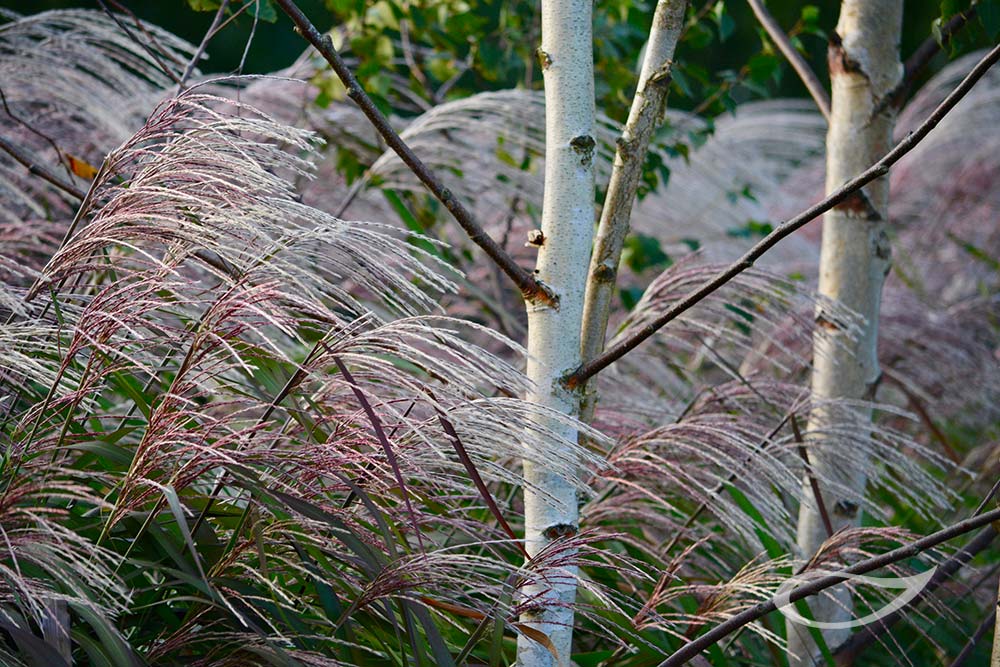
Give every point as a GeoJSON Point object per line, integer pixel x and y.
{"type": "Point", "coordinates": [532, 289]}
{"type": "Point", "coordinates": [930, 47]}
{"type": "Point", "coordinates": [204, 44]}
{"type": "Point", "coordinates": [844, 193]}
{"type": "Point", "coordinates": [38, 170]}
{"type": "Point", "coordinates": [970, 645]}
{"type": "Point", "coordinates": [794, 58]}
{"type": "Point", "coordinates": [847, 653]}
{"type": "Point", "coordinates": [921, 57]}
{"type": "Point", "coordinates": [758, 611]}
{"type": "Point", "coordinates": [147, 44]}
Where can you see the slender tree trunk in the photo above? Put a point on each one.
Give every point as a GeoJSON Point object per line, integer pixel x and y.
{"type": "Point", "coordinates": [855, 258]}
{"type": "Point", "coordinates": [995, 655]}
{"type": "Point", "coordinates": [554, 332]}
{"type": "Point", "coordinates": [643, 119]}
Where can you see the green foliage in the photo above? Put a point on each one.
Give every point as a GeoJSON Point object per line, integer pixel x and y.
{"type": "Point", "coordinates": [989, 16]}
{"type": "Point", "coordinates": [752, 230]}
{"type": "Point", "coordinates": [643, 252]}
{"type": "Point", "coordinates": [263, 10]}
{"type": "Point", "coordinates": [291, 540]}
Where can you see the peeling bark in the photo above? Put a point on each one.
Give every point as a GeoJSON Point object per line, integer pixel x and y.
{"type": "Point", "coordinates": [855, 259]}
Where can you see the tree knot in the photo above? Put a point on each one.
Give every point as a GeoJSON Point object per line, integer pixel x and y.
{"type": "Point", "coordinates": [584, 146]}
{"type": "Point", "coordinates": [557, 530]}
{"type": "Point", "coordinates": [536, 239]}
{"type": "Point", "coordinates": [544, 59]}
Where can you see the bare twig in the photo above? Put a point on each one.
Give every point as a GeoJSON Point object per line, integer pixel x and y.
{"type": "Point", "coordinates": [930, 47]}
{"type": "Point", "coordinates": [988, 498]}
{"type": "Point", "coordinates": [253, 33]}
{"type": "Point", "coordinates": [783, 230]}
{"type": "Point", "coordinates": [235, 15]}
{"type": "Point", "coordinates": [846, 653]}
{"type": "Point", "coordinates": [758, 611]}
{"type": "Point", "coordinates": [411, 62]}
{"type": "Point", "coordinates": [145, 44]}
{"type": "Point", "coordinates": [811, 476]}
{"type": "Point", "coordinates": [204, 43]}
{"type": "Point", "coordinates": [794, 58]}
{"type": "Point", "coordinates": [920, 58]}
{"type": "Point", "coordinates": [38, 170]}
{"type": "Point", "coordinates": [970, 645]}
{"type": "Point", "coordinates": [531, 288]}
{"type": "Point", "coordinates": [925, 416]}
{"type": "Point", "coordinates": [63, 157]}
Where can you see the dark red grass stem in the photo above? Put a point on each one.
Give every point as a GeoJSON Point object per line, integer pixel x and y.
{"type": "Point", "coordinates": [470, 467]}
{"type": "Point", "coordinates": [390, 454]}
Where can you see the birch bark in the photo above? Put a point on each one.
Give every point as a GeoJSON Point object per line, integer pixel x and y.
{"type": "Point", "coordinates": [855, 258]}
{"type": "Point", "coordinates": [995, 654]}
{"type": "Point", "coordinates": [550, 500]}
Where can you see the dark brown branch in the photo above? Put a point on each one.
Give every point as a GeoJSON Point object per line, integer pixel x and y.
{"type": "Point", "coordinates": [794, 58]}
{"type": "Point", "coordinates": [847, 653]}
{"type": "Point", "coordinates": [758, 611]}
{"type": "Point", "coordinates": [783, 230]}
{"type": "Point", "coordinates": [63, 158]}
{"type": "Point", "coordinates": [811, 476]}
{"type": "Point", "coordinates": [920, 58]}
{"type": "Point", "coordinates": [930, 47]}
{"type": "Point", "coordinates": [976, 636]}
{"type": "Point", "coordinates": [212, 29]}
{"type": "Point", "coordinates": [530, 287]}
{"type": "Point", "coordinates": [38, 170]}
{"type": "Point", "coordinates": [209, 258]}
{"type": "Point", "coordinates": [925, 416]}
{"type": "Point", "coordinates": [145, 44]}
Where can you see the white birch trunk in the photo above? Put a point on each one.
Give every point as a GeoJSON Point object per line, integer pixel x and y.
{"type": "Point", "coordinates": [854, 261]}
{"type": "Point", "coordinates": [554, 333]}
{"type": "Point", "coordinates": [995, 654]}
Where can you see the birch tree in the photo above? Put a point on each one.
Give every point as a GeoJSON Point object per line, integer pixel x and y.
{"type": "Point", "coordinates": [252, 417]}
{"type": "Point", "coordinates": [550, 500]}
{"type": "Point", "coordinates": [855, 259]}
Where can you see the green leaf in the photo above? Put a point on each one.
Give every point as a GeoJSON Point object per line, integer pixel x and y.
{"type": "Point", "coordinates": [698, 36]}
{"type": "Point", "coordinates": [989, 16]}
{"type": "Point", "coordinates": [203, 5]}
{"type": "Point", "coordinates": [630, 296]}
{"type": "Point", "coordinates": [975, 252]}
{"type": "Point", "coordinates": [725, 22]}
{"type": "Point", "coordinates": [810, 15]}
{"type": "Point", "coordinates": [764, 68]}
{"type": "Point", "coordinates": [751, 230]}
{"type": "Point", "coordinates": [265, 11]}
{"type": "Point", "coordinates": [384, 50]}
{"type": "Point", "coordinates": [643, 252]}
{"type": "Point", "coordinates": [119, 652]}
{"type": "Point", "coordinates": [31, 647]}
{"type": "Point", "coordinates": [681, 80]}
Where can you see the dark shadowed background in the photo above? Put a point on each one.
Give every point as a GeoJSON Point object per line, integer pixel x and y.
{"type": "Point", "coordinates": [275, 45]}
